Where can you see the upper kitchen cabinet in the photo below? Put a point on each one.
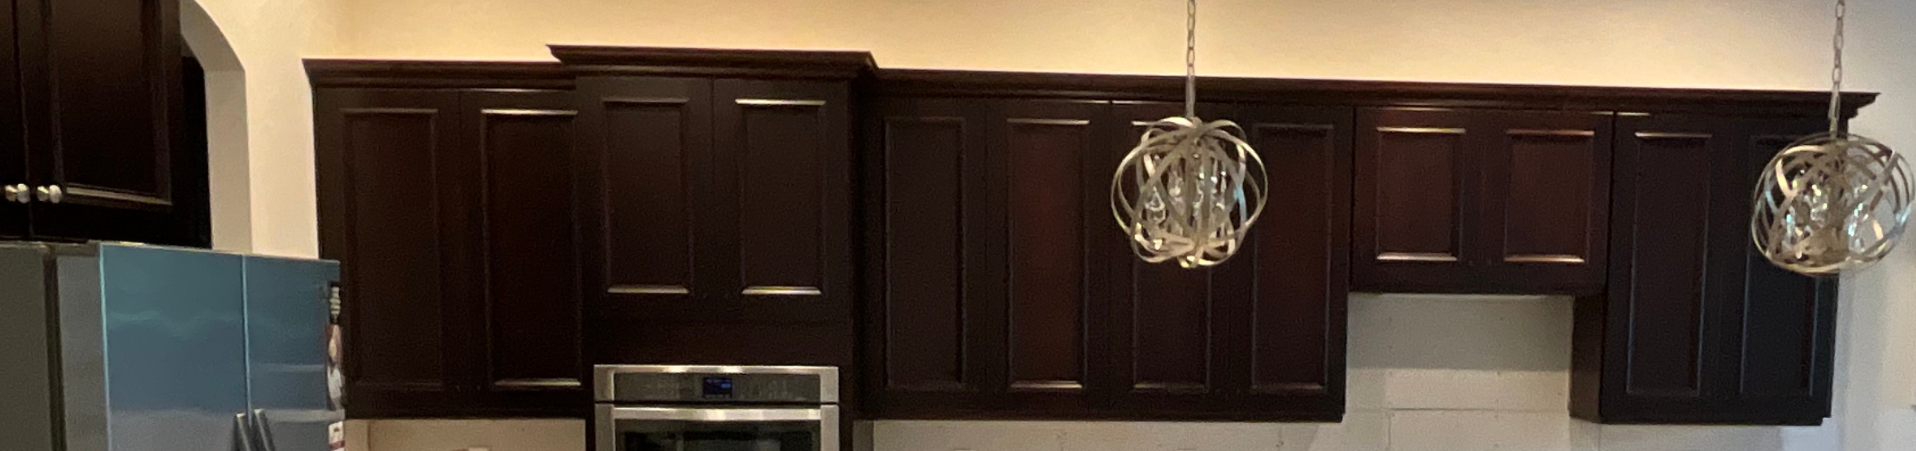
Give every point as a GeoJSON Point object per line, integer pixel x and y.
{"type": "Point", "coordinates": [717, 184]}
{"type": "Point", "coordinates": [446, 192]}
{"type": "Point", "coordinates": [1696, 326]}
{"type": "Point", "coordinates": [1481, 201]}
{"type": "Point", "coordinates": [999, 287]}
{"type": "Point", "coordinates": [95, 147]}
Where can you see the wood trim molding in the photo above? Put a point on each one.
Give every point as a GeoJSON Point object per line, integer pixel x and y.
{"type": "Point", "coordinates": [666, 61]}
{"type": "Point", "coordinates": [345, 73]}
{"type": "Point", "coordinates": [1361, 93]}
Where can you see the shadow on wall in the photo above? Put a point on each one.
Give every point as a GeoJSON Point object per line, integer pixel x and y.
{"type": "Point", "coordinates": [226, 133]}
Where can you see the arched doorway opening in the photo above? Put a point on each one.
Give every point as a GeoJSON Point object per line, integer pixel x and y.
{"type": "Point", "coordinates": [215, 96]}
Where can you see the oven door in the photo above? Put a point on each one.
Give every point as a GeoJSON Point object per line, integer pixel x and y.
{"type": "Point", "coordinates": [716, 428]}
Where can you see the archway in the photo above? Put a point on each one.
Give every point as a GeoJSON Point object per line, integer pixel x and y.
{"type": "Point", "coordinates": [228, 173]}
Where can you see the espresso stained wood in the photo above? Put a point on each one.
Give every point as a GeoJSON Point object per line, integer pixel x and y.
{"type": "Point", "coordinates": [782, 188]}
{"type": "Point", "coordinates": [531, 308]}
{"type": "Point", "coordinates": [1697, 328]}
{"type": "Point", "coordinates": [645, 174]}
{"type": "Point", "coordinates": [13, 148]}
{"type": "Point", "coordinates": [1050, 161]}
{"type": "Point", "coordinates": [100, 103]}
{"type": "Point", "coordinates": [1546, 199]}
{"type": "Point", "coordinates": [452, 212]}
{"type": "Point", "coordinates": [384, 198]}
{"type": "Point", "coordinates": [1415, 200]}
{"type": "Point", "coordinates": [1261, 336]}
{"type": "Point", "coordinates": [929, 284]}
{"type": "Point", "coordinates": [1466, 201]}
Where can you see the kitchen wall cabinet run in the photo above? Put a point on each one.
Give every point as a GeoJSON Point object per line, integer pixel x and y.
{"type": "Point", "coordinates": [1696, 327]}
{"type": "Point", "coordinates": [452, 213]}
{"type": "Point", "coordinates": [95, 146]}
{"type": "Point", "coordinates": [1000, 287]}
{"type": "Point", "coordinates": [1481, 201]}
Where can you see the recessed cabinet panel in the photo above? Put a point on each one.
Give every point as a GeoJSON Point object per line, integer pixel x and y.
{"type": "Point", "coordinates": [780, 215]}
{"type": "Point", "coordinates": [925, 253]}
{"type": "Point", "coordinates": [386, 142]}
{"type": "Point", "coordinates": [1548, 208]}
{"type": "Point", "coordinates": [1667, 303]}
{"type": "Point", "coordinates": [1419, 194]}
{"type": "Point", "coordinates": [533, 341]}
{"type": "Point", "coordinates": [1297, 315]}
{"type": "Point", "coordinates": [652, 155]}
{"type": "Point", "coordinates": [112, 135]}
{"type": "Point", "coordinates": [1047, 202]}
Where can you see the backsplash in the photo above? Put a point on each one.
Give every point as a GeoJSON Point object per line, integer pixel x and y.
{"type": "Point", "coordinates": [1427, 373]}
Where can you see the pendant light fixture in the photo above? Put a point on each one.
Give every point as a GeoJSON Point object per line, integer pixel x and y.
{"type": "Point", "coordinates": [1832, 202]}
{"type": "Point", "coordinates": [1190, 190]}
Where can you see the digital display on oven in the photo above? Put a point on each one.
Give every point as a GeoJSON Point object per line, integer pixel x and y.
{"type": "Point", "coordinates": [716, 387]}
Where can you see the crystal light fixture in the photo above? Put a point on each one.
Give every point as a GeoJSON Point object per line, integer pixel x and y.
{"type": "Point", "coordinates": [1835, 201]}
{"type": "Point", "coordinates": [1190, 190]}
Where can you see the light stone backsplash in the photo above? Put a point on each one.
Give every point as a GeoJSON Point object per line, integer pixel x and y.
{"type": "Point", "coordinates": [1427, 373]}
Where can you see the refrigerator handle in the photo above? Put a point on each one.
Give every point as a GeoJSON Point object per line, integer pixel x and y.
{"type": "Point", "coordinates": [264, 429]}
{"type": "Point", "coordinates": [243, 432]}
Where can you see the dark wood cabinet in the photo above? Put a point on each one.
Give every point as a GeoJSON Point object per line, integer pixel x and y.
{"type": "Point", "coordinates": [999, 287]}
{"type": "Point", "coordinates": [95, 102]}
{"type": "Point", "coordinates": [13, 147]}
{"type": "Point", "coordinates": [452, 212]}
{"type": "Point", "coordinates": [720, 200]}
{"type": "Point", "coordinates": [1481, 201]}
{"type": "Point", "coordinates": [1698, 328]}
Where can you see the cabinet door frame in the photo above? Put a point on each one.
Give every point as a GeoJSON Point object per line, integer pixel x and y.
{"type": "Point", "coordinates": [94, 211]}
{"type": "Point", "coordinates": [14, 223]}
{"type": "Point", "coordinates": [1375, 268]}
{"type": "Point", "coordinates": [338, 217]}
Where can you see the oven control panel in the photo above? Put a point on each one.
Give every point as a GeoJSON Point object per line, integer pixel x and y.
{"type": "Point", "coordinates": [643, 384]}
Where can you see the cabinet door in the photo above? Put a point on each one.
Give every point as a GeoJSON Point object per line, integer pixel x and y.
{"type": "Point", "coordinates": [395, 212]}
{"type": "Point", "coordinates": [1696, 327]}
{"type": "Point", "coordinates": [1049, 178]}
{"type": "Point", "coordinates": [1546, 201]}
{"type": "Point", "coordinates": [522, 285]}
{"type": "Point", "coordinates": [782, 198]}
{"type": "Point", "coordinates": [13, 157]}
{"type": "Point", "coordinates": [1416, 201]}
{"type": "Point", "coordinates": [925, 254]}
{"type": "Point", "coordinates": [644, 173]}
{"type": "Point", "coordinates": [1478, 201]}
{"type": "Point", "coordinates": [1260, 337]}
{"type": "Point", "coordinates": [103, 84]}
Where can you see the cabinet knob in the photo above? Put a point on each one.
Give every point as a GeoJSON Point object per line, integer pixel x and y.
{"type": "Point", "coordinates": [50, 194]}
{"type": "Point", "coordinates": [18, 193]}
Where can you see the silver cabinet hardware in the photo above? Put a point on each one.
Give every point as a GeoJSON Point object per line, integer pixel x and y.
{"type": "Point", "coordinates": [19, 193]}
{"type": "Point", "coordinates": [50, 194]}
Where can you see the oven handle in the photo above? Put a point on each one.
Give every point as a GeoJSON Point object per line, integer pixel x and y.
{"type": "Point", "coordinates": [716, 415]}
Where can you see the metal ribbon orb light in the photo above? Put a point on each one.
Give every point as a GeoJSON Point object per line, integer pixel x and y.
{"type": "Point", "coordinates": [1831, 202]}
{"type": "Point", "coordinates": [1190, 190]}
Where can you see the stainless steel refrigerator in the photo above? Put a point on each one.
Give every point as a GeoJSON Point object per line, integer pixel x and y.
{"type": "Point", "coordinates": [108, 347]}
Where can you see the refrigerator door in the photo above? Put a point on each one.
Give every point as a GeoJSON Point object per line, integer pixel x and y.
{"type": "Point", "coordinates": [26, 384]}
{"type": "Point", "coordinates": [287, 316]}
{"type": "Point", "coordinates": [173, 325]}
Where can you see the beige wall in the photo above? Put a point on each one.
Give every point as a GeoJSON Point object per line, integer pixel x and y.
{"type": "Point", "coordinates": [265, 191]}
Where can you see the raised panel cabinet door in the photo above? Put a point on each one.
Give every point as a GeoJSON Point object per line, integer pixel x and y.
{"type": "Point", "coordinates": [1416, 200]}
{"type": "Point", "coordinates": [646, 218]}
{"type": "Point", "coordinates": [1546, 200]}
{"type": "Point", "coordinates": [102, 79]}
{"type": "Point", "coordinates": [926, 201]}
{"type": "Point", "coordinates": [782, 196]}
{"type": "Point", "coordinates": [1259, 337]}
{"type": "Point", "coordinates": [395, 211]}
{"type": "Point", "coordinates": [13, 156]}
{"type": "Point", "coordinates": [528, 301]}
{"type": "Point", "coordinates": [1783, 325]}
{"type": "Point", "coordinates": [1049, 177]}
{"type": "Point", "coordinates": [1658, 334]}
